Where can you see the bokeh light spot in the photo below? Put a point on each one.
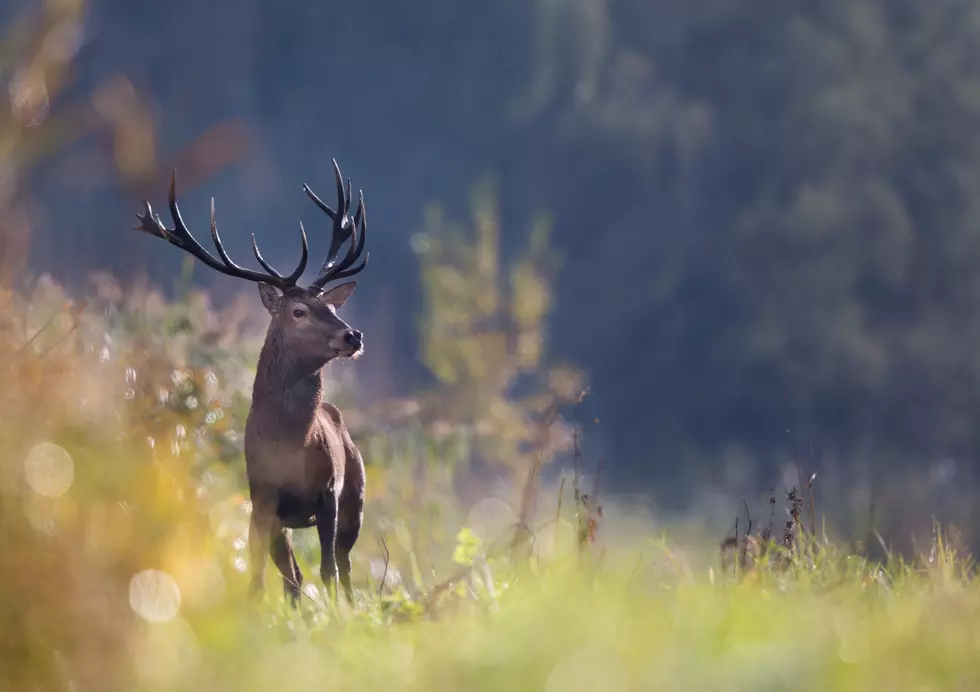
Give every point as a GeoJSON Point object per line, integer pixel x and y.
{"type": "Point", "coordinates": [49, 470]}
{"type": "Point", "coordinates": [154, 595]}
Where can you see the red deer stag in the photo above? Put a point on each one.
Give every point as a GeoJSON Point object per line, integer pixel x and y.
{"type": "Point", "coordinates": [303, 468]}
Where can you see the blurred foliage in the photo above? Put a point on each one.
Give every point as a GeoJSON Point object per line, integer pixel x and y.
{"type": "Point", "coordinates": [80, 415]}
{"type": "Point", "coordinates": [122, 493]}
{"type": "Point", "coordinates": [124, 551]}
{"type": "Point", "coordinates": [37, 62]}
{"type": "Point", "coordinates": [483, 328]}
{"type": "Point", "coordinates": [123, 501]}
{"type": "Point", "coordinates": [49, 108]}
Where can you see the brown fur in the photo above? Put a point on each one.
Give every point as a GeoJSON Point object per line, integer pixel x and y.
{"type": "Point", "coordinates": [303, 468]}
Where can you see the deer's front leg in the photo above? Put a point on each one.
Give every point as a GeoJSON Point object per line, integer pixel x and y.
{"type": "Point", "coordinates": [326, 526]}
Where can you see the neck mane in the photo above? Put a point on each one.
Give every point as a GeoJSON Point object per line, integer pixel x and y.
{"type": "Point", "coordinates": [286, 387]}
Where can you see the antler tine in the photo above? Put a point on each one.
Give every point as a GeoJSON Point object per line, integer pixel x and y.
{"type": "Point", "coordinates": [342, 270]}
{"type": "Point", "coordinates": [320, 203]}
{"type": "Point", "coordinates": [301, 267]}
{"type": "Point", "coordinates": [341, 226]}
{"type": "Point", "coordinates": [181, 237]}
{"type": "Point", "coordinates": [342, 198]}
{"type": "Point", "coordinates": [224, 255]}
{"type": "Point", "coordinates": [357, 239]}
{"type": "Point", "coordinates": [347, 197]}
{"type": "Point", "coordinates": [278, 279]}
{"type": "Point", "coordinates": [341, 195]}
{"type": "Point", "coordinates": [344, 229]}
{"type": "Point", "coordinates": [341, 230]}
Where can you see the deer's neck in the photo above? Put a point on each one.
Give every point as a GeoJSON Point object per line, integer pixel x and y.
{"type": "Point", "coordinates": [286, 388]}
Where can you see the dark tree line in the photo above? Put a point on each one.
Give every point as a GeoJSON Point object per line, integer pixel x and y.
{"type": "Point", "coordinates": [767, 210]}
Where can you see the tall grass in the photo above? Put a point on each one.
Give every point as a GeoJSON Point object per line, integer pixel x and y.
{"type": "Point", "coordinates": [123, 520]}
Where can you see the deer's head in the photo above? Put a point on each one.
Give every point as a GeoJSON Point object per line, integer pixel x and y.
{"type": "Point", "coordinates": [309, 324]}
{"type": "Point", "coordinates": [306, 317]}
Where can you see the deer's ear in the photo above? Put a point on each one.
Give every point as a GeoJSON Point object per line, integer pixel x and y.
{"type": "Point", "coordinates": [271, 298]}
{"type": "Point", "coordinates": [338, 295]}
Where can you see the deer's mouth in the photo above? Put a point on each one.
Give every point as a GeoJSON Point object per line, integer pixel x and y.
{"type": "Point", "coordinates": [346, 350]}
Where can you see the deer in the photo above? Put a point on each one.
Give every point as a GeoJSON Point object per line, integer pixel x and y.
{"type": "Point", "coordinates": [302, 467]}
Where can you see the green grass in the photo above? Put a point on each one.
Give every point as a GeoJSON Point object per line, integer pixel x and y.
{"type": "Point", "coordinates": [128, 573]}
{"type": "Point", "coordinates": [843, 625]}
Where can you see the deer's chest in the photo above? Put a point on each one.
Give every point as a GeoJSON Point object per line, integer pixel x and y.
{"type": "Point", "coordinates": [304, 468]}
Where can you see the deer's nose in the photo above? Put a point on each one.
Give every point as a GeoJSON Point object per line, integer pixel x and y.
{"type": "Point", "coordinates": [353, 338]}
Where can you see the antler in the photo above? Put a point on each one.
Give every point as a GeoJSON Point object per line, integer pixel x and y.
{"type": "Point", "coordinates": [182, 238]}
{"type": "Point", "coordinates": [344, 229]}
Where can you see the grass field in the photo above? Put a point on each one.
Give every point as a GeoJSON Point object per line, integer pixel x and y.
{"type": "Point", "coordinates": [842, 625]}
{"type": "Point", "coordinates": [853, 629]}
{"type": "Point", "coordinates": [123, 521]}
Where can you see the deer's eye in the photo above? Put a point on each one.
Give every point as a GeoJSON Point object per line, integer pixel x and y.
{"type": "Point", "coordinates": [299, 313]}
